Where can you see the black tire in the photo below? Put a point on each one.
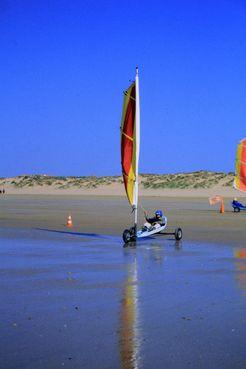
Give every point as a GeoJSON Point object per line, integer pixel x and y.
{"type": "Point", "coordinates": [178, 234]}
{"type": "Point", "coordinates": [126, 236]}
{"type": "Point", "coordinates": [236, 210]}
{"type": "Point", "coordinates": [133, 235]}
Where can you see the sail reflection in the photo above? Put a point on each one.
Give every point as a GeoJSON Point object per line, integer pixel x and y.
{"type": "Point", "coordinates": [240, 262]}
{"type": "Point", "coordinates": [129, 334]}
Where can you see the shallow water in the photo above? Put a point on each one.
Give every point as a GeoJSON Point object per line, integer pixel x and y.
{"type": "Point", "coordinates": [85, 301]}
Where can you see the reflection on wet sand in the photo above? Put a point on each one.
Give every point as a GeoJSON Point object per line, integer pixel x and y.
{"type": "Point", "coordinates": [240, 262]}
{"type": "Point", "coordinates": [178, 245]}
{"type": "Point", "coordinates": [129, 332]}
{"type": "Point", "coordinates": [155, 253]}
{"type": "Point", "coordinates": [129, 335]}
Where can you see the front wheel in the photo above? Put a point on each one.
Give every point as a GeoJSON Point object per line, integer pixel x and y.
{"type": "Point", "coordinates": [126, 236]}
{"type": "Point", "coordinates": [178, 234]}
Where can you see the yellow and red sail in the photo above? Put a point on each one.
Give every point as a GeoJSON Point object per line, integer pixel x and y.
{"type": "Point", "coordinates": [240, 172]}
{"type": "Point", "coordinates": [129, 136]}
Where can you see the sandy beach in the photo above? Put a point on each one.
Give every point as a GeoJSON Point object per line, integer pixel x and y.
{"type": "Point", "coordinates": [77, 298]}
{"type": "Point", "coordinates": [111, 214]}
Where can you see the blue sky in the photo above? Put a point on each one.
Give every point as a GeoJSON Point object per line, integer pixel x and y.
{"type": "Point", "coordinates": [64, 66]}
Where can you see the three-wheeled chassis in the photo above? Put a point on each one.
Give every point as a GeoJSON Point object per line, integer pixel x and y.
{"type": "Point", "coordinates": [129, 235]}
{"type": "Point", "coordinates": [237, 209]}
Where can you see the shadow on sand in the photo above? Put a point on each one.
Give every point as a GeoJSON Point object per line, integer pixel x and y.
{"type": "Point", "coordinates": [93, 235]}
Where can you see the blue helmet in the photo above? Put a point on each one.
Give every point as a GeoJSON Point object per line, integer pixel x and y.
{"type": "Point", "coordinates": [159, 213]}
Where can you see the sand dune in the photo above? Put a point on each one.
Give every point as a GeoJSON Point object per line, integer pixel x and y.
{"type": "Point", "coordinates": [194, 184]}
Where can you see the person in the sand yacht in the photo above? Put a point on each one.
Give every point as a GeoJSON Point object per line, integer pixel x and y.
{"type": "Point", "coordinates": [151, 222]}
{"type": "Point", "coordinates": [238, 204]}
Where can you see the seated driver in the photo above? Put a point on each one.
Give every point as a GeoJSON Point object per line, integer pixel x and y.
{"type": "Point", "coordinates": [157, 219]}
{"type": "Point", "coordinates": [236, 203]}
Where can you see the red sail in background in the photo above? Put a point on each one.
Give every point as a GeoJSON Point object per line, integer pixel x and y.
{"type": "Point", "coordinates": [240, 172]}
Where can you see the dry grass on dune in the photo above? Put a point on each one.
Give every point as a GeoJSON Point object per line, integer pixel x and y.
{"type": "Point", "coordinates": [199, 179]}
{"type": "Point", "coordinates": [58, 182]}
{"type": "Point", "coordinates": [193, 180]}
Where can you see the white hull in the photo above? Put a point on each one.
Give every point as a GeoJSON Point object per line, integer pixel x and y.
{"type": "Point", "coordinates": [156, 229]}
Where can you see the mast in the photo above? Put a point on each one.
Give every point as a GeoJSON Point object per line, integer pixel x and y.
{"type": "Point", "coordinates": [137, 149]}
{"type": "Point", "coordinates": [130, 143]}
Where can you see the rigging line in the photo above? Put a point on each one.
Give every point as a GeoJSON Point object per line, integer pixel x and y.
{"type": "Point", "coordinates": [128, 95]}
{"type": "Point", "coordinates": [145, 211]}
{"type": "Point", "coordinates": [130, 179]}
{"type": "Point", "coordinates": [124, 134]}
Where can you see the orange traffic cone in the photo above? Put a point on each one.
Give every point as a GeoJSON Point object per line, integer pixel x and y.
{"type": "Point", "coordinates": [222, 207]}
{"type": "Point", "coordinates": [69, 221]}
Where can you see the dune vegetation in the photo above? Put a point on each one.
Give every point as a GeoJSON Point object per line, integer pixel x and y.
{"type": "Point", "coordinates": [58, 182]}
{"type": "Point", "coordinates": [193, 180]}
{"type": "Point", "coordinates": [199, 179]}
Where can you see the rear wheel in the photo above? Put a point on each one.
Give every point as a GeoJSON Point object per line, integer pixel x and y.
{"type": "Point", "coordinates": [126, 235]}
{"type": "Point", "coordinates": [236, 210]}
{"type": "Point", "coordinates": [178, 234]}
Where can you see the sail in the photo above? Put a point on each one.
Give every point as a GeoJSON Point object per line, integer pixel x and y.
{"type": "Point", "coordinates": [215, 199]}
{"type": "Point", "coordinates": [130, 142]}
{"type": "Point", "coordinates": [240, 171]}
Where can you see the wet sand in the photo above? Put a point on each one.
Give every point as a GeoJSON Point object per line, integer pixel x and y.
{"type": "Point", "coordinates": [79, 299]}
{"type": "Point", "coordinates": [110, 215]}
{"type": "Point", "coordinates": [86, 302]}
